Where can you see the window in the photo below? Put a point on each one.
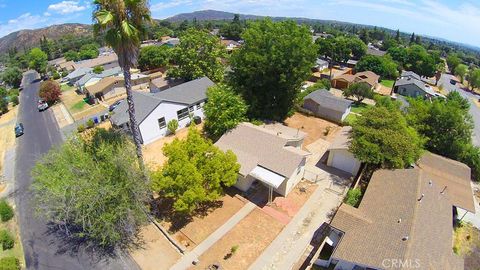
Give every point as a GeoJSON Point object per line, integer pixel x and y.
{"type": "Point", "coordinates": [199, 106]}
{"type": "Point", "coordinates": [182, 114]}
{"type": "Point", "coordinates": [162, 123]}
{"type": "Point", "coordinates": [191, 108]}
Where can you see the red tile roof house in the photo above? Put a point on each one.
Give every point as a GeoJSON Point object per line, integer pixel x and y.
{"type": "Point", "coordinates": [404, 220]}
{"type": "Point", "coordinates": [270, 154]}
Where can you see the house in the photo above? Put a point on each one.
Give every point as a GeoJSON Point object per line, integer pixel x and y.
{"type": "Point", "coordinates": [230, 44]}
{"type": "Point", "coordinates": [77, 74]}
{"type": "Point", "coordinates": [106, 61]}
{"type": "Point", "coordinates": [345, 80]}
{"type": "Point", "coordinates": [154, 111]}
{"type": "Point", "coordinates": [57, 61]}
{"type": "Point", "coordinates": [67, 66]}
{"type": "Point", "coordinates": [320, 65]}
{"type": "Point", "coordinates": [339, 155]}
{"type": "Point", "coordinates": [110, 87]}
{"type": "Point", "coordinates": [403, 221]}
{"type": "Point", "coordinates": [163, 83]}
{"type": "Point", "coordinates": [411, 85]}
{"type": "Point", "coordinates": [352, 63]}
{"type": "Point", "coordinates": [325, 105]}
{"type": "Point", "coordinates": [92, 77]}
{"type": "Point", "coordinates": [171, 42]}
{"type": "Point", "coordinates": [268, 154]}
{"type": "Point", "coordinates": [371, 50]}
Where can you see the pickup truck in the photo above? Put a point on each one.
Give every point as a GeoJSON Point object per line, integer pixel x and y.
{"type": "Point", "coordinates": [42, 105]}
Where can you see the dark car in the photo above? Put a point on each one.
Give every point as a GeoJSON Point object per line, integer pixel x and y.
{"type": "Point", "coordinates": [453, 82]}
{"type": "Point", "coordinates": [19, 130]}
{"type": "Point", "coordinates": [114, 105]}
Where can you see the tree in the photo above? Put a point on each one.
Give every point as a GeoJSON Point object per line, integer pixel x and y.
{"type": "Point", "coordinates": [172, 126]}
{"type": "Point", "coordinates": [474, 78]}
{"type": "Point", "coordinates": [98, 69]}
{"type": "Point", "coordinates": [9, 263]}
{"type": "Point", "coordinates": [6, 211]}
{"type": "Point", "coordinates": [71, 56]}
{"type": "Point", "coordinates": [460, 71]}
{"type": "Point", "coordinates": [37, 60]}
{"type": "Point", "coordinates": [195, 173]}
{"type": "Point", "coordinates": [357, 47]}
{"type": "Point", "coordinates": [453, 61]}
{"type": "Point", "coordinates": [224, 110]}
{"type": "Point", "coordinates": [382, 138]}
{"type": "Point", "coordinates": [420, 61]}
{"type": "Point", "coordinates": [153, 57]}
{"type": "Point", "coordinates": [88, 51]}
{"type": "Point", "coordinates": [123, 23]}
{"type": "Point", "coordinates": [360, 91]}
{"type": "Point", "coordinates": [91, 186]}
{"type": "Point", "coordinates": [398, 54]}
{"type": "Point", "coordinates": [412, 38]}
{"type": "Point", "coordinates": [364, 35]}
{"type": "Point", "coordinates": [12, 76]}
{"type": "Point", "coordinates": [50, 91]}
{"type": "Point", "coordinates": [199, 54]}
{"type": "Point", "coordinates": [269, 69]}
{"type": "Point", "coordinates": [232, 30]}
{"type": "Point", "coordinates": [3, 101]}
{"type": "Point", "coordinates": [381, 65]}
{"type": "Point", "coordinates": [397, 36]}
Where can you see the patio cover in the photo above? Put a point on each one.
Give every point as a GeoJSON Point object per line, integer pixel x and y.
{"type": "Point", "coordinates": [268, 177]}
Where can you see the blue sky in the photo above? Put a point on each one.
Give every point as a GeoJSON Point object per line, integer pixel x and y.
{"type": "Point", "coordinates": [453, 19]}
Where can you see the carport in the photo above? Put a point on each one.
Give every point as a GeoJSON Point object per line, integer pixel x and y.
{"type": "Point", "coordinates": [270, 179]}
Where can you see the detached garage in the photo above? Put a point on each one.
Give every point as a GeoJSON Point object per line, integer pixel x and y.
{"type": "Point", "coordinates": [325, 105]}
{"type": "Point", "coordinates": [340, 157]}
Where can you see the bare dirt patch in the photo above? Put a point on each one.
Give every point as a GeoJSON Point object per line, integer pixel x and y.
{"type": "Point", "coordinates": [316, 128]}
{"type": "Point", "coordinates": [154, 246]}
{"type": "Point", "coordinates": [191, 231]}
{"type": "Point", "coordinates": [383, 90]}
{"type": "Point", "coordinates": [252, 235]}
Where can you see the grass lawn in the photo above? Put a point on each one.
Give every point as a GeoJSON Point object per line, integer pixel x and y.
{"type": "Point", "coordinates": [17, 250]}
{"type": "Point", "coordinates": [387, 83]}
{"type": "Point", "coordinates": [359, 108]}
{"type": "Point", "coordinates": [77, 107]}
{"type": "Point", "coordinates": [65, 87]}
{"type": "Point", "coordinates": [350, 119]}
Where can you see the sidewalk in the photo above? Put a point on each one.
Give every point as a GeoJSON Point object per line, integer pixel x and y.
{"type": "Point", "coordinates": [288, 247]}
{"type": "Point", "coordinates": [186, 261]}
{"type": "Point", "coordinates": [62, 116]}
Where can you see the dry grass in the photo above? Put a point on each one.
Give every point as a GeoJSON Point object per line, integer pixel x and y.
{"type": "Point", "coordinates": [7, 134]}
{"type": "Point", "coordinates": [9, 116]}
{"type": "Point", "coordinates": [17, 250]}
{"type": "Point", "coordinates": [252, 235]}
{"type": "Point", "coordinates": [315, 128]}
{"type": "Point", "coordinates": [78, 108]}
{"type": "Point", "coordinates": [467, 244]}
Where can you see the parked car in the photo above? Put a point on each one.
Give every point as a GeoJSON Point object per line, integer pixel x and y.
{"type": "Point", "coordinates": [114, 105]}
{"type": "Point", "coordinates": [42, 105]}
{"type": "Point", "coordinates": [19, 130]}
{"type": "Point", "coordinates": [453, 82]}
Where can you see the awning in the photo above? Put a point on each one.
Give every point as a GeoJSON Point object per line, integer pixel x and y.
{"type": "Point", "coordinates": [268, 177]}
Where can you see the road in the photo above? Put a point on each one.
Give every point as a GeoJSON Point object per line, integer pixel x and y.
{"type": "Point", "coordinates": [474, 110]}
{"type": "Point", "coordinates": [46, 248]}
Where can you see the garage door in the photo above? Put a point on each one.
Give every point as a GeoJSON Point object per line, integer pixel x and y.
{"type": "Point", "coordinates": [343, 162]}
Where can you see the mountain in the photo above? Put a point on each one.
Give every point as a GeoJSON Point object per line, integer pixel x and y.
{"type": "Point", "coordinates": [31, 38]}
{"type": "Point", "coordinates": [209, 15]}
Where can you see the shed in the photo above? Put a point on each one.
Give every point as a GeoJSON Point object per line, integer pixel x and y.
{"type": "Point", "coordinates": [325, 105]}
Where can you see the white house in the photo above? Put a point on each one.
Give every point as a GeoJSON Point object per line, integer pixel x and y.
{"type": "Point", "coordinates": [269, 154]}
{"type": "Point", "coordinates": [153, 111]}
{"type": "Point", "coordinates": [340, 157]}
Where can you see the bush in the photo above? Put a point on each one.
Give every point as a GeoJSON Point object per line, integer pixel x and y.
{"type": "Point", "coordinates": [172, 126]}
{"type": "Point", "coordinates": [90, 123]}
{"type": "Point", "coordinates": [353, 197]}
{"type": "Point", "coordinates": [6, 211]}
{"type": "Point", "coordinates": [234, 249]}
{"type": "Point", "coordinates": [14, 100]}
{"type": "Point", "coordinates": [6, 239]}
{"type": "Point", "coordinates": [81, 128]}
{"type": "Point", "coordinates": [9, 263]}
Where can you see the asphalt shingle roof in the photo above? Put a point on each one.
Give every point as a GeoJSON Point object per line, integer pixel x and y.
{"type": "Point", "coordinates": [104, 74]}
{"type": "Point", "coordinates": [327, 100]}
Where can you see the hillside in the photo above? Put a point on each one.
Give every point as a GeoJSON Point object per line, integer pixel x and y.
{"type": "Point", "coordinates": [209, 15]}
{"type": "Point", "coordinates": [31, 38]}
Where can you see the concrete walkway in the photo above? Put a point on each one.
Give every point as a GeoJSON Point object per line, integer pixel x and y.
{"type": "Point", "coordinates": [288, 247]}
{"type": "Point", "coordinates": [186, 261]}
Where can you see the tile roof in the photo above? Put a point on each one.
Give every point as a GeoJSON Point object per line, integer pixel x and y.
{"type": "Point", "coordinates": [392, 222]}
{"type": "Point", "coordinates": [257, 146]}
{"type": "Point", "coordinates": [329, 101]}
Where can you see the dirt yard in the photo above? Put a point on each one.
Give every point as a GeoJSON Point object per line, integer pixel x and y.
{"type": "Point", "coordinates": [316, 128]}
{"type": "Point", "coordinates": [153, 154]}
{"type": "Point", "coordinates": [7, 134]}
{"type": "Point", "coordinates": [383, 90]}
{"type": "Point", "coordinates": [192, 232]}
{"type": "Point", "coordinates": [78, 108]}
{"type": "Point", "coordinates": [291, 204]}
{"type": "Point", "coordinates": [154, 246]}
{"type": "Point", "coordinates": [251, 236]}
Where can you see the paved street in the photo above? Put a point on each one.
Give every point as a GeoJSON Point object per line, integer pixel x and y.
{"type": "Point", "coordinates": [44, 248]}
{"type": "Point", "coordinates": [474, 110]}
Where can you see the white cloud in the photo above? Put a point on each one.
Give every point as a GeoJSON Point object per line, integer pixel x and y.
{"type": "Point", "coordinates": [24, 21]}
{"type": "Point", "coordinates": [66, 7]}
{"type": "Point", "coordinates": [169, 4]}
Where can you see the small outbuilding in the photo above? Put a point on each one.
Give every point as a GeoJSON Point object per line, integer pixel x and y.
{"type": "Point", "coordinates": [324, 104]}
{"type": "Point", "coordinates": [340, 157]}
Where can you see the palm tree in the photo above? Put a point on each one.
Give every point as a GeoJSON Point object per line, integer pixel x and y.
{"type": "Point", "coordinates": [123, 24]}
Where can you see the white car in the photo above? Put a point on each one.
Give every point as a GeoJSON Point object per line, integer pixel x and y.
{"type": "Point", "coordinates": [42, 105]}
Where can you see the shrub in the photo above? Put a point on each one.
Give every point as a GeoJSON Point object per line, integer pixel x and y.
{"type": "Point", "coordinates": [81, 128]}
{"type": "Point", "coordinates": [9, 263]}
{"type": "Point", "coordinates": [353, 197]}
{"type": "Point", "coordinates": [6, 211]}
{"type": "Point", "coordinates": [6, 239]}
{"type": "Point", "coordinates": [14, 100]}
{"type": "Point", "coordinates": [234, 249]}
{"type": "Point", "coordinates": [172, 126]}
{"type": "Point", "coordinates": [90, 123]}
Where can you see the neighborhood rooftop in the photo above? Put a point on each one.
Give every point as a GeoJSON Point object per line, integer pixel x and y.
{"type": "Point", "coordinates": [327, 100]}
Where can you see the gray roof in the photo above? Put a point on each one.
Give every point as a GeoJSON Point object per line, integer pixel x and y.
{"type": "Point", "coordinates": [78, 73]}
{"type": "Point", "coordinates": [327, 100]}
{"type": "Point", "coordinates": [411, 74]}
{"type": "Point", "coordinates": [376, 52]}
{"type": "Point", "coordinates": [104, 74]}
{"type": "Point", "coordinates": [321, 62]}
{"type": "Point", "coordinates": [187, 93]}
{"type": "Point", "coordinates": [420, 84]}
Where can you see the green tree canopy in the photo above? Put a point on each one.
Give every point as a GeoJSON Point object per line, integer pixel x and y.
{"type": "Point", "coordinates": [93, 186]}
{"type": "Point", "coordinates": [195, 173]}
{"type": "Point", "coordinates": [381, 65]}
{"type": "Point", "coordinates": [12, 76]}
{"type": "Point", "coordinates": [270, 67]}
{"type": "Point", "coordinates": [474, 78]}
{"type": "Point", "coordinates": [198, 54]}
{"type": "Point", "coordinates": [232, 30]}
{"type": "Point", "coordinates": [224, 110]}
{"type": "Point", "coordinates": [460, 71]}
{"type": "Point", "coordinates": [71, 56]}
{"type": "Point", "coordinates": [357, 47]}
{"type": "Point", "coordinates": [360, 91]}
{"type": "Point", "coordinates": [453, 61]}
{"type": "Point", "coordinates": [153, 57]}
{"type": "Point", "coordinates": [37, 60]}
{"type": "Point", "coordinates": [381, 137]}
{"type": "Point", "coordinates": [88, 51]}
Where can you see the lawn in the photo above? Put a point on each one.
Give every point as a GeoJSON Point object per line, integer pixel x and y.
{"type": "Point", "coordinates": [387, 83]}
{"type": "Point", "coordinates": [17, 250]}
{"type": "Point", "coordinates": [350, 119]}
{"type": "Point", "coordinates": [359, 108]}
{"type": "Point", "coordinates": [77, 107]}
{"type": "Point", "coordinates": [65, 87]}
